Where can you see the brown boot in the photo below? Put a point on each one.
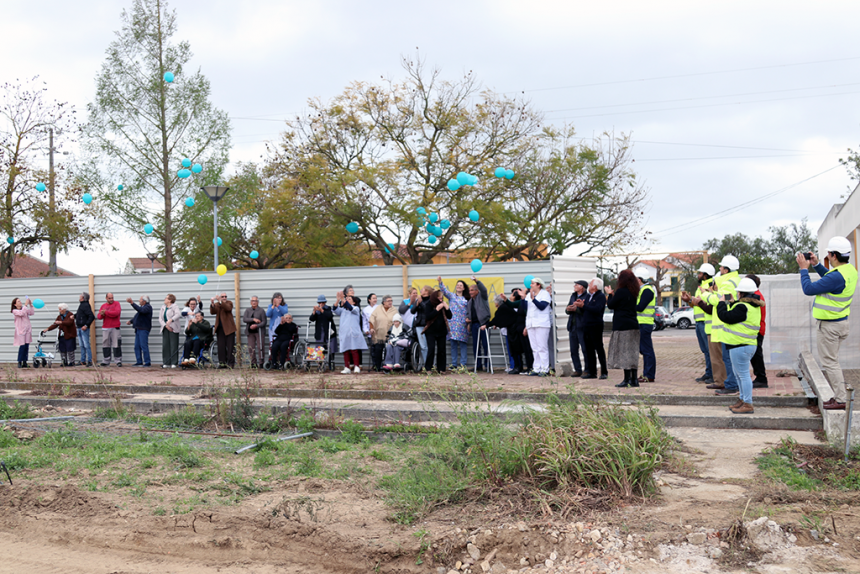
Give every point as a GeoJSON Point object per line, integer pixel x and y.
{"type": "Point", "coordinates": [744, 409]}
{"type": "Point", "coordinates": [737, 404]}
{"type": "Point", "coordinates": [716, 386]}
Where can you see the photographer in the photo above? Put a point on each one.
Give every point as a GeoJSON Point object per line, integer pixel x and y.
{"type": "Point", "coordinates": [833, 294]}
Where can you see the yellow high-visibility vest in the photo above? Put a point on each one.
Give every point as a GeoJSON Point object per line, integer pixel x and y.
{"type": "Point", "coordinates": [828, 306]}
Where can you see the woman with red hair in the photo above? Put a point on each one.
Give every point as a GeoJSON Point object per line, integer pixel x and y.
{"type": "Point", "coordinates": [624, 343]}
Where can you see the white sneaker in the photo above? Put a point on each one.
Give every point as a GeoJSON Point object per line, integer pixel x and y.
{"type": "Point", "coordinates": [346, 371]}
{"type": "Point", "coordinates": [357, 370]}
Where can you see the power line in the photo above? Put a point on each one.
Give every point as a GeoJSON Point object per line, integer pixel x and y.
{"type": "Point", "coordinates": [732, 157]}
{"type": "Point", "coordinates": [723, 146]}
{"type": "Point", "coordinates": [694, 74]}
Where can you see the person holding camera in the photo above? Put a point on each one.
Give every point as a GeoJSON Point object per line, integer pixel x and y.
{"type": "Point", "coordinates": [833, 293]}
{"type": "Point", "coordinates": [725, 284]}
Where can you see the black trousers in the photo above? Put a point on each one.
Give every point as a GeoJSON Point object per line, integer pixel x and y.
{"type": "Point", "coordinates": [192, 348]}
{"type": "Point", "coordinates": [436, 349]}
{"type": "Point", "coordinates": [226, 348]}
{"type": "Point", "coordinates": [594, 348]}
{"type": "Point", "coordinates": [516, 344]}
{"type": "Point", "coordinates": [758, 362]}
{"type": "Point", "coordinates": [281, 350]}
{"type": "Point", "coordinates": [377, 350]}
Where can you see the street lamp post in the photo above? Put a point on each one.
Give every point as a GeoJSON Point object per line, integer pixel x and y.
{"type": "Point", "coordinates": [152, 257]}
{"type": "Point", "coordinates": [215, 193]}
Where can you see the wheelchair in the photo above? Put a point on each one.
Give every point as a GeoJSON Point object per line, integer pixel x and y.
{"type": "Point", "coordinates": [410, 358]}
{"type": "Point", "coordinates": [208, 357]}
{"type": "Point", "coordinates": [308, 353]}
{"type": "Point", "coordinates": [269, 364]}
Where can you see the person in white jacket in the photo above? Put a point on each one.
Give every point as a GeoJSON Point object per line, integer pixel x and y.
{"type": "Point", "coordinates": [538, 326]}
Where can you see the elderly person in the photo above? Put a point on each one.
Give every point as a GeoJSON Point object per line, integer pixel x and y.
{"type": "Point", "coordinates": [366, 313]}
{"type": "Point", "coordinates": [22, 311]}
{"type": "Point", "coordinates": [624, 343]}
{"type": "Point", "coordinates": [351, 338]}
{"type": "Point", "coordinates": [142, 324]}
{"type": "Point", "coordinates": [436, 313]}
{"type": "Point", "coordinates": [277, 309]}
{"type": "Point", "coordinates": [84, 319]}
{"type": "Point", "coordinates": [349, 291]}
{"type": "Point", "coordinates": [576, 326]}
{"type": "Point", "coordinates": [285, 333]}
{"type": "Point", "coordinates": [380, 322]}
{"type": "Point", "coordinates": [170, 319]}
{"type": "Point", "coordinates": [519, 341]}
{"type": "Point", "coordinates": [538, 325]}
{"type": "Point", "coordinates": [416, 307]}
{"type": "Point", "coordinates": [255, 328]}
{"type": "Point", "coordinates": [458, 329]}
{"type": "Point", "coordinates": [191, 307]}
{"type": "Point", "coordinates": [593, 306]}
{"type": "Point", "coordinates": [109, 314]}
{"type": "Point", "coordinates": [198, 335]}
{"type": "Point", "coordinates": [408, 307]}
{"type": "Point", "coordinates": [225, 330]}
{"type": "Point", "coordinates": [504, 320]}
{"type": "Point", "coordinates": [477, 316]}
{"type": "Point", "coordinates": [68, 334]}
{"type": "Point", "coordinates": [398, 339]}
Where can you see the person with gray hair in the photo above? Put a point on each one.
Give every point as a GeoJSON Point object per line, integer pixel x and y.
{"type": "Point", "coordinates": [84, 319]}
{"type": "Point", "coordinates": [142, 324]}
{"type": "Point", "coordinates": [593, 307]}
{"type": "Point", "coordinates": [254, 318]}
{"type": "Point", "coordinates": [68, 333]}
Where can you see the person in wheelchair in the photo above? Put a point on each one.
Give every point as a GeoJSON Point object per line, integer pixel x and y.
{"type": "Point", "coordinates": [398, 339]}
{"type": "Point", "coordinates": [199, 337]}
{"type": "Point", "coordinates": [286, 334]}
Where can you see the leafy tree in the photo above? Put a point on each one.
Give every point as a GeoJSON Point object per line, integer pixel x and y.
{"type": "Point", "coordinates": [765, 256]}
{"type": "Point", "coordinates": [140, 128]}
{"type": "Point", "coordinates": [787, 241]}
{"type": "Point", "coordinates": [752, 253]}
{"type": "Point", "coordinates": [25, 214]}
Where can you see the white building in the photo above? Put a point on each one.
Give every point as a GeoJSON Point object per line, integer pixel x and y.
{"type": "Point", "coordinates": [844, 220]}
{"type": "Point", "coordinates": [142, 265]}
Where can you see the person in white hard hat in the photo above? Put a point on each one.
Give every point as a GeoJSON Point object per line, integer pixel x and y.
{"type": "Point", "coordinates": [703, 319]}
{"type": "Point", "coordinates": [833, 293]}
{"type": "Point", "coordinates": [725, 382]}
{"type": "Point", "coordinates": [646, 304]}
{"type": "Point", "coordinates": [741, 320]}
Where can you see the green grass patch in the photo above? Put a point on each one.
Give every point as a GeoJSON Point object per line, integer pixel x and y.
{"type": "Point", "coordinates": [810, 467]}
{"type": "Point", "coordinates": [15, 410]}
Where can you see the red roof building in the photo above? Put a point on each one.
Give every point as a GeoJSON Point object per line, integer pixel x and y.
{"type": "Point", "coordinates": [27, 266]}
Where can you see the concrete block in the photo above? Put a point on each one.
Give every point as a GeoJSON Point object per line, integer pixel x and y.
{"type": "Point", "coordinates": [834, 421]}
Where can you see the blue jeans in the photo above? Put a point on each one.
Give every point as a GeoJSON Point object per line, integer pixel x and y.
{"type": "Point", "coordinates": [422, 342]}
{"type": "Point", "coordinates": [703, 347]}
{"type": "Point", "coordinates": [476, 331]}
{"type": "Point", "coordinates": [23, 352]}
{"type": "Point", "coordinates": [740, 360]}
{"type": "Point", "coordinates": [646, 349]}
{"type": "Point", "coordinates": [141, 347]}
{"type": "Point", "coordinates": [731, 383]}
{"type": "Point", "coordinates": [86, 348]}
{"type": "Point", "coordinates": [508, 351]}
{"type": "Point", "coordinates": [459, 353]}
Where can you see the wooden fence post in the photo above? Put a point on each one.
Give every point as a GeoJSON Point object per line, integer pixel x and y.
{"type": "Point", "coordinates": [237, 309]}
{"type": "Point", "coordinates": [92, 289]}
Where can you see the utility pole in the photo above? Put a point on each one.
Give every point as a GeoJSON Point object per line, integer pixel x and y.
{"type": "Point", "coordinates": [52, 246]}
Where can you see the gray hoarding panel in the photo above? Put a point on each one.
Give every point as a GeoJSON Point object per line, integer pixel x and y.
{"type": "Point", "coordinates": [565, 271]}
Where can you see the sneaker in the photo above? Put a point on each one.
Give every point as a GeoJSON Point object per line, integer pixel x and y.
{"type": "Point", "coordinates": [104, 364]}
{"type": "Point", "coordinates": [705, 380]}
{"type": "Point", "coordinates": [702, 378]}
{"type": "Point", "coordinates": [726, 392]}
{"type": "Point", "coordinates": [165, 366]}
{"type": "Point", "coordinates": [192, 361]}
{"type": "Point", "coordinates": [356, 370]}
{"type": "Point", "coordinates": [90, 364]}
{"type": "Point", "coordinates": [534, 374]}
{"type": "Point", "coordinates": [744, 409]}
{"type": "Point", "coordinates": [137, 364]}
{"type": "Point", "coordinates": [184, 363]}
{"type": "Point", "coordinates": [514, 372]}
{"type": "Point", "coordinates": [396, 365]}
{"type": "Point", "coordinates": [760, 384]}
{"type": "Point", "coordinates": [119, 364]}
{"type": "Point", "coordinates": [645, 380]}
{"type": "Point", "coordinates": [346, 371]}
{"type": "Point", "coordinates": [172, 366]}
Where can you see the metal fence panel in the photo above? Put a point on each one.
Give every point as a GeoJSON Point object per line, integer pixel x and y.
{"type": "Point", "coordinates": [565, 271]}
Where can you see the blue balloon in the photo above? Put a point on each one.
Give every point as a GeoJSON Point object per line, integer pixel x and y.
{"type": "Point", "coordinates": [87, 198]}
{"type": "Point", "coordinates": [41, 186]}
{"type": "Point", "coordinates": [387, 250]}
{"type": "Point", "coordinates": [476, 265]}
{"type": "Point", "coordinates": [434, 217]}
{"type": "Point", "coordinates": [183, 173]}
{"type": "Point", "coordinates": [38, 303]}
{"type": "Point", "coordinates": [437, 231]}
{"type": "Point", "coordinates": [406, 301]}
{"type": "Point", "coordinates": [473, 215]}
{"type": "Point", "coordinates": [202, 279]}
{"type": "Point", "coordinates": [509, 174]}
{"type": "Point", "coordinates": [421, 210]}
{"type": "Point", "coordinates": [196, 168]}
{"type": "Point", "coordinates": [528, 281]}
{"type": "Point", "coordinates": [10, 240]}
{"type": "Point", "coordinates": [168, 77]}
{"type": "Point", "coordinates": [254, 254]}
{"type": "Point", "coordinates": [186, 162]}
{"type": "Point", "coordinates": [453, 184]}
{"type": "Point", "coordinates": [352, 227]}
{"type": "Point", "coordinates": [189, 202]}
{"type": "Point", "coordinates": [217, 241]}
{"type": "Point", "coordinates": [432, 239]}
{"type": "Point", "coordinates": [148, 228]}
{"type": "Point", "coordinates": [119, 187]}
{"type": "Point", "coordinates": [463, 178]}
{"type": "Point", "coordinates": [473, 180]}
{"type": "Point", "coordinates": [500, 172]}
{"type": "Point", "coordinates": [391, 247]}
{"type": "Point", "coordinates": [445, 224]}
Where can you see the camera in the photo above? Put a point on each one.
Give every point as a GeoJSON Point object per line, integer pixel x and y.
{"type": "Point", "coordinates": [807, 255]}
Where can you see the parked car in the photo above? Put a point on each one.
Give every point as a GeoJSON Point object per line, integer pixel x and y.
{"type": "Point", "coordinates": [683, 318]}
{"type": "Point", "coordinates": [662, 318]}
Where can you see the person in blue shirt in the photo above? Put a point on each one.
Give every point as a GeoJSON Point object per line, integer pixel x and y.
{"type": "Point", "coordinates": [142, 324]}
{"type": "Point", "coordinates": [277, 309]}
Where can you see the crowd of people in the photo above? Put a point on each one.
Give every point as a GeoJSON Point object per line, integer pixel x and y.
{"type": "Point", "coordinates": [729, 312]}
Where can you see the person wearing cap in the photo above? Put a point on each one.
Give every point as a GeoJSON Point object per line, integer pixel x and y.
{"type": "Point", "coordinates": [741, 322]}
{"type": "Point", "coordinates": [833, 293]}
{"type": "Point", "coordinates": [703, 318]}
{"type": "Point", "coordinates": [726, 285]}
{"type": "Point", "coordinates": [397, 341]}
{"type": "Point", "coordinates": [576, 325]}
{"type": "Point", "coordinates": [759, 370]}
{"type": "Point", "coordinates": [323, 319]}
{"type": "Point", "coordinates": [646, 307]}
{"type": "Point", "coordinates": [538, 325]}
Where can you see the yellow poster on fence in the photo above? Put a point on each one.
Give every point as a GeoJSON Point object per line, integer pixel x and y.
{"type": "Point", "coordinates": [494, 285]}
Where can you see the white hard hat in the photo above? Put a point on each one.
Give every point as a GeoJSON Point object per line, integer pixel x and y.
{"type": "Point", "coordinates": [731, 262]}
{"type": "Point", "coordinates": [708, 268]}
{"type": "Point", "coordinates": [747, 285]}
{"type": "Point", "coordinates": [642, 274]}
{"type": "Point", "coordinates": [840, 245]}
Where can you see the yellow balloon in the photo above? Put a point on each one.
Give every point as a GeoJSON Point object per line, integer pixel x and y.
{"type": "Point", "coordinates": [221, 269]}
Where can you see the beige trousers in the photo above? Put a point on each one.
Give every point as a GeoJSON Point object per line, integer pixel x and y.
{"type": "Point", "coordinates": [830, 337]}
{"type": "Point", "coordinates": [718, 368]}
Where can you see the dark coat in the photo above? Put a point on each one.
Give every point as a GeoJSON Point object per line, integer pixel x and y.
{"type": "Point", "coordinates": [286, 331]}
{"type": "Point", "coordinates": [435, 325]}
{"type": "Point", "coordinates": [84, 315]}
{"type": "Point", "coordinates": [505, 317]}
{"type": "Point", "coordinates": [521, 311]}
{"type": "Point", "coordinates": [575, 318]}
{"type": "Point", "coordinates": [623, 305]}
{"type": "Point", "coordinates": [595, 305]}
{"type": "Point", "coordinates": [202, 330]}
{"type": "Point", "coordinates": [480, 304]}
{"type": "Point", "coordinates": [142, 320]}
{"type": "Point", "coordinates": [223, 316]}
{"type": "Point", "coordinates": [321, 322]}
{"type": "Point", "coordinates": [68, 327]}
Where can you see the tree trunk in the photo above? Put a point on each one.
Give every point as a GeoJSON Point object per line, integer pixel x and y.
{"type": "Point", "coordinates": [165, 159]}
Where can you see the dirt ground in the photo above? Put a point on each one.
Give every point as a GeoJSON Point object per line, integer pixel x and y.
{"type": "Point", "coordinates": [314, 525]}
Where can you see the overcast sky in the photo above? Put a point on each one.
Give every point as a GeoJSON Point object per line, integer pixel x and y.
{"type": "Point", "coordinates": [727, 102]}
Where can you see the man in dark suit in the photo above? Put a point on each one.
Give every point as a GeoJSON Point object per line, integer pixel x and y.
{"type": "Point", "coordinates": [576, 326]}
{"type": "Point", "coordinates": [593, 305]}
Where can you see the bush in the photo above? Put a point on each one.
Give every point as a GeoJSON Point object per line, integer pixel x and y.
{"type": "Point", "coordinates": [15, 411]}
